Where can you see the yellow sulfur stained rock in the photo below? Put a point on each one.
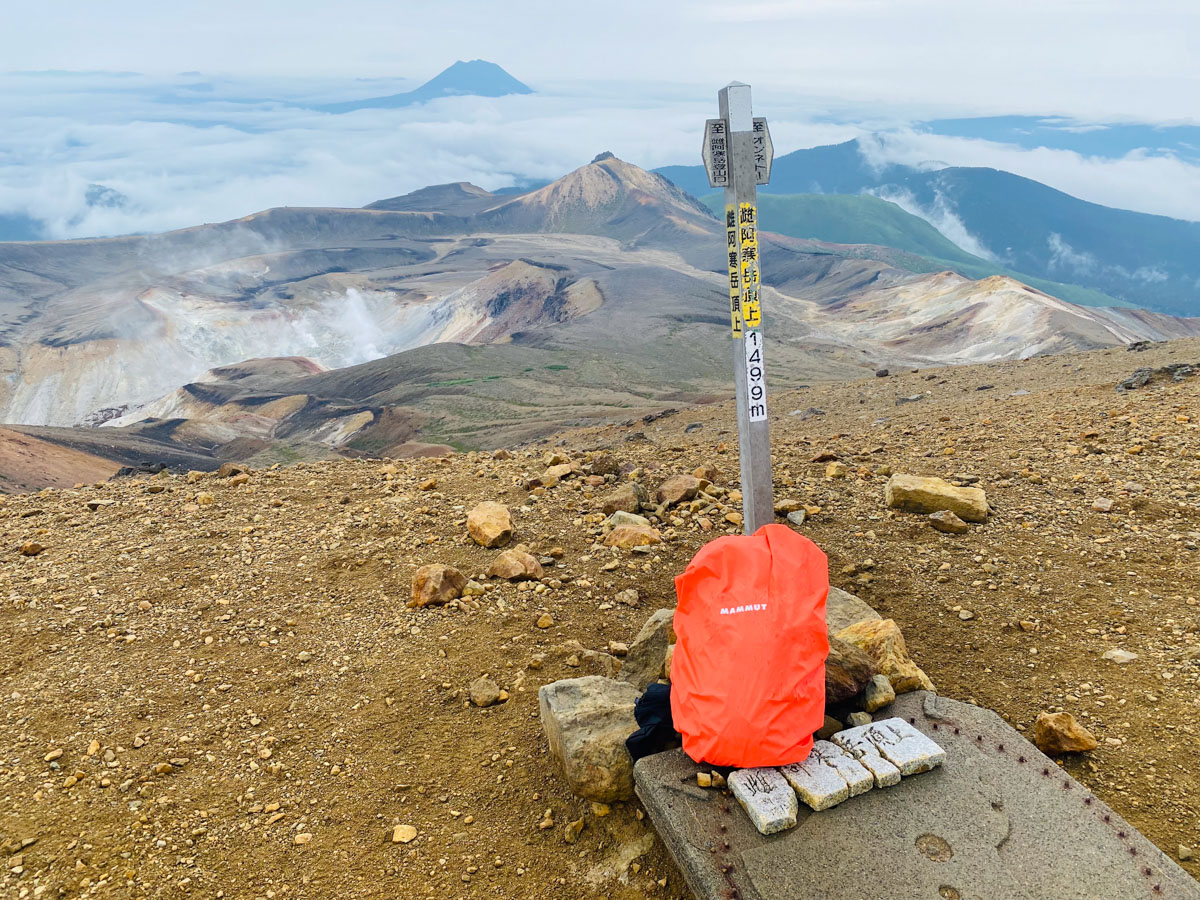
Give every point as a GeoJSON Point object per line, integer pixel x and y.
{"type": "Point", "coordinates": [882, 640]}
{"type": "Point", "coordinates": [915, 494]}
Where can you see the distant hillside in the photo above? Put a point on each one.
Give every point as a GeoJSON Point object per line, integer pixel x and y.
{"type": "Point", "coordinates": [1023, 225]}
{"type": "Point", "coordinates": [843, 219]}
{"type": "Point", "coordinates": [478, 78]}
{"type": "Point", "coordinates": [456, 317]}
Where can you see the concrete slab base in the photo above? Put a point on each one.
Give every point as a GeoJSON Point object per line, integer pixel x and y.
{"type": "Point", "coordinates": [996, 821]}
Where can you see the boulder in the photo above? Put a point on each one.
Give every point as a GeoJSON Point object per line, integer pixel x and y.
{"type": "Point", "coordinates": [645, 661]}
{"type": "Point", "coordinates": [31, 548]}
{"type": "Point", "coordinates": [586, 721]}
{"type": "Point", "coordinates": [490, 524]}
{"type": "Point", "coordinates": [915, 494]}
{"type": "Point", "coordinates": [843, 609]}
{"type": "Point", "coordinates": [629, 498]}
{"type": "Point", "coordinates": [515, 565]}
{"type": "Point", "coordinates": [847, 671]}
{"type": "Point", "coordinates": [948, 523]}
{"type": "Point", "coordinates": [677, 489]}
{"type": "Point", "coordinates": [883, 641]}
{"type": "Point", "coordinates": [1061, 733]}
{"type": "Point", "coordinates": [436, 585]}
{"type": "Point", "coordinates": [629, 536]}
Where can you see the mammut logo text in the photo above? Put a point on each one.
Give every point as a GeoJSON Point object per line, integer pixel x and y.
{"type": "Point", "coordinates": [749, 607]}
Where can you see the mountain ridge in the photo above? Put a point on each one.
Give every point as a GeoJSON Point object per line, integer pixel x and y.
{"type": "Point", "coordinates": [1026, 226]}
{"type": "Point", "coordinates": [298, 333]}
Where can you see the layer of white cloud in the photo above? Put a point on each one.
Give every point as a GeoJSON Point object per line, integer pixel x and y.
{"type": "Point", "coordinates": [187, 149]}
{"type": "Point", "coordinates": [183, 161]}
{"type": "Point", "coordinates": [1141, 180]}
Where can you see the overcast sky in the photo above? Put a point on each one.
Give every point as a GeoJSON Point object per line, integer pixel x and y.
{"type": "Point", "coordinates": [636, 78]}
{"type": "Point", "coordinates": [1082, 57]}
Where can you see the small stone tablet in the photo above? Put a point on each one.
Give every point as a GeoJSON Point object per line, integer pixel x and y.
{"type": "Point", "coordinates": [767, 797]}
{"type": "Point", "coordinates": [905, 747]}
{"type": "Point", "coordinates": [859, 744]}
{"type": "Point", "coordinates": [858, 779]}
{"type": "Point", "coordinates": [819, 785]}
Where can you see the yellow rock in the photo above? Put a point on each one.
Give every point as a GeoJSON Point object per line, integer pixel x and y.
{"type": "Point", "coordinates": [403, 834]}
{"type": "Point", "coordinates": [882, 640]}
{"type": "Point", "coordinates": [436, 585]}
{"type": "Point", "coordinates": [913, 493]}
{"type": "Point", "coordinates": [629, 536]}
{"type": "Point", "coordinates": [490, 524]}
{"type": "Point", "coordinates": [515, 565]}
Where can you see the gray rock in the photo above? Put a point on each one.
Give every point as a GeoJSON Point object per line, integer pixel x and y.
{"type": "Point", "coordinates": [796, 517]}
{"type": "Point", "coordinates": [646, 660]}
{"type": "Point", "coordinates": [948, 523]}
{"type": "Point", "coordinates": [586, 721]}
{"type": "Point", "coordinates": [621, 517]}
{"type": "Point", "coordinates": [1119, 656]}
{"type": "Point", "coordinates": [858, 719]}
{"type": "Point", "coordinates": [484, 691]}
{"type": "Point", "coordinates": [843, 609]}
{"type": "Point", "coordinates": [982, 825]}
{"type": "Point", "coordinates": [766, 797]}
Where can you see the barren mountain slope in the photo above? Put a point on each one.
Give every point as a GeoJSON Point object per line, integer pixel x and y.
{"type": "Point", "coordinates": [599, 297]}
{"type": "Point", "coordinates": [264, 709]}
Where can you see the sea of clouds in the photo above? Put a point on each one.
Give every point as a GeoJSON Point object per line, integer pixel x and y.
{"type": "Point", "coordinates": [188, 149]}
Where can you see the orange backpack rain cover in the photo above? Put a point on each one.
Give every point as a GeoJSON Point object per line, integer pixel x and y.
{"type": "Point", "coordinates": [748, 674]}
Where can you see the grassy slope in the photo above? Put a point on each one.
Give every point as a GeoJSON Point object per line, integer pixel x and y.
{"type": "Point", "coordinates": [862, 219]}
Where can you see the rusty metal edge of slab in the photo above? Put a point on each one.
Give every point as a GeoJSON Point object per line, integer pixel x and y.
{"type": "Point", "coordinates": [670, 800]}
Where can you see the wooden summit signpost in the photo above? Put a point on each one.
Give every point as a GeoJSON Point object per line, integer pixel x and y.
{"type": "Point", "coordinates": [737, 155]}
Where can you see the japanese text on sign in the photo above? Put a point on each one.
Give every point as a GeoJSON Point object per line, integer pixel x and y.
{"type": "Point", "coordinates": [763, 150]}
{"type": "Point", "coordinates": [716, 152]}
{"type": "Point", "coordinates": [747, 221]}
{"type": "Point", "coordinates": [735, 270]}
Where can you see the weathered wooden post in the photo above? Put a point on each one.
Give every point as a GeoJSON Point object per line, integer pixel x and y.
{"type": "Point", "coordinates": [737, 154]}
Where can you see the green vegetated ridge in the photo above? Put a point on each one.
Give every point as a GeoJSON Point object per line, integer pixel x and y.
{"type": "Point", "coordinates": [863, 219]}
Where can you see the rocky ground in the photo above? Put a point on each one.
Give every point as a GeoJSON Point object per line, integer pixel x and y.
{"type": "Point", "coordinates": [215, 688]}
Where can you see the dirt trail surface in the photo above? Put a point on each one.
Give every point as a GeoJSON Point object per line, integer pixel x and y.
{"type": "Point", "coordinates": [215, 689]}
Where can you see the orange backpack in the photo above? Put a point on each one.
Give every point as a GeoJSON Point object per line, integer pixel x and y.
{"type": "Point", "coordinates": [748, 674]}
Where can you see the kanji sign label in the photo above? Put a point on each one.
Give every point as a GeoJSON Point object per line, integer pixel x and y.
{"type": "Point", "coordinates": [764, 151]}
{"type": "Point", "coordinates": [737, 156]}
{"type": "Point", "coordinates": [716, 152]}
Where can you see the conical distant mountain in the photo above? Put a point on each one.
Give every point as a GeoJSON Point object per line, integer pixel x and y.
{"type": "Point", "coordinates": [478, 78]}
